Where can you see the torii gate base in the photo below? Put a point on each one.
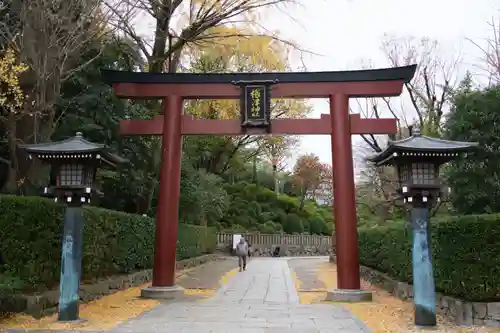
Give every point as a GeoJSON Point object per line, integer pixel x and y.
{"type": "Point", "coordinates": [337, 86]}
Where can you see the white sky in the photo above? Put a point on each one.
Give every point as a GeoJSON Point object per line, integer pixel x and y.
{"type": "Point", "coordinates": [345, 32]}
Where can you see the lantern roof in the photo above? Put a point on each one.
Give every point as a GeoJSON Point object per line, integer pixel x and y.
{"type": "Point", "coordinates": [421, 146]}
{"type": "Point", "coordinates": [75, 147]}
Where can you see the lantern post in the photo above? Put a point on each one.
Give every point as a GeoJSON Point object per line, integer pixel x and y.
{"type": "Point", "coordinates": [74, 163]}
{"type": "Point", "coordinates": [418, 159]}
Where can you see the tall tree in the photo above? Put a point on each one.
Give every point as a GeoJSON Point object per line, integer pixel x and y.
{"type": "Point", "coordinates": [424, 102]}
{"type": "Point", "coordinates": [11, 94]}
{"type": "Point", "coordinates": [309, 175]}
{"type": "Point", "coordinates": [251, 54]}
{"type": "Point", "coordinates": [431, 89]}
{"type": "Point", "coordinates": [11, 103]}
{"type": "Point", "coordinates": [184, 28]}
{"type": "Point", "coordinates": [475, 180]}
{"type": "Point", "coordinates": [182, 24]}
{"type": "Point", "coordinates": [490, 50]}
{"type": "Point", "coordinates": [89, 106]}
{"type": "Point", "coordinates": [324, 192]}
{"type": "Point", "coordinates": [277, 149]}
{"type": "Point", "coordinates": [49, 37]}
{"type": "Point", "coordinates": [428, 94]}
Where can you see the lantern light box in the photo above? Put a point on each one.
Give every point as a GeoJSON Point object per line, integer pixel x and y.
{"type": "Point", "coordinates": [418, 159]}
{"type": "Point", "coordinates": [74, 163]}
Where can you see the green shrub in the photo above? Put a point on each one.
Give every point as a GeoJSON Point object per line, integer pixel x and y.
{"type": "Point", "coordinates": [9, 284]}
{"type": "Point", "coordinates": [10, 298]}
{"type": "Point", "coordinates": [193, 241]}
{"type": "Point", "coordinates": [266, 195]}
{"type": "Point", "coordinates": [328, 229]}
{"type": "Point", "coordinates": [236, 228]}
{"type": "Point", "coordinates": [268, 228]}
{"type": "Point", "coordinates": [316, 225]}
{"type": "Point", "coordinates": [253, 207]}
{"type": "Point", "coordinates": [293, 224]}
{"type": "Point", "coordinates": [114, 242]}
{"type": "Point", "coordinates": [465, 250]}
{"type": "Point", "coordinates": [288, 204]}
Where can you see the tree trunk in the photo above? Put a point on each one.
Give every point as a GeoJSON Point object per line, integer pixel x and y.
{"type": "Point", "coordinates": [303, 197]}
{"type": "Point", "coordinates": [255, 170]}
{"type": "Point", "coordinates": [29, 172]}
{"type": "Point", "coordinates": [151, 193]}
{"type": "Point", "coordinates": [10, 185]}
{"type": "Point", "coordinates": [275, 178]}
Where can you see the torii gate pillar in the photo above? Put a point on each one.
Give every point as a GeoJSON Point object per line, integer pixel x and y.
{"type": "Point", "coordinates": [346, 234]}
{"type": "Point", "coordinates": [167, 212]}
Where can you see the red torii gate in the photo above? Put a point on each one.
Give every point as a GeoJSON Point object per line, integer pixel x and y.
{"type": "Point", "coordinates": [337, 86]}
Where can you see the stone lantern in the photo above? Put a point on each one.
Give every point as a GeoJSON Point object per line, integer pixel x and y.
{"type": "Point", "coordinates": [418, 159]}
{"type": "Point", "coordinates": [74, 163]}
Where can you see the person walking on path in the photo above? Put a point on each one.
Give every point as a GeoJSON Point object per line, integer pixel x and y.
{"type": "Point", "coordinates": [242, 253]}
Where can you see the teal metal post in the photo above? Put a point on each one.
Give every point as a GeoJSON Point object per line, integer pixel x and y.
{"type": "Point", "coordinates": [71, 263]}
{"type": "Point", "coordinates": [423, 278]}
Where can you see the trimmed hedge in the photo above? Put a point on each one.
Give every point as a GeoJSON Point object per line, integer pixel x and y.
{"type": "Point", "coordinates": [114, 242]}
{"type": "Point", "coordinates": [466, 254]}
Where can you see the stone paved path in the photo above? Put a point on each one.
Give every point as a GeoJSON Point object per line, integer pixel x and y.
{"type": "Point", "coordinates": [263, 299]}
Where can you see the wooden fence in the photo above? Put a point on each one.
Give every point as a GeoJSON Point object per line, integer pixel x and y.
{"type": "Point", "coordinates": [276, 239]}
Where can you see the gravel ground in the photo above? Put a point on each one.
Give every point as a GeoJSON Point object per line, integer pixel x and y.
{"type": "Point", "coordinates": [386, 314]}
{"type": "Point", "coordinates": [207, 276]}
{"type": "Point", "coordinates": [306, 270]}
{"type": "Point", "coordinates": [107, 312]}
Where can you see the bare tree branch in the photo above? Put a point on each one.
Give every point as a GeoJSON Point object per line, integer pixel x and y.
{"type": "Point", "coordinates": [199, 19]}
{"type": "Point", "coordinates": [490, 62]}
{"type": "Point", "coordinates": [430, 90]}
{"type": "Point", "coordinates": [51, 38]}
